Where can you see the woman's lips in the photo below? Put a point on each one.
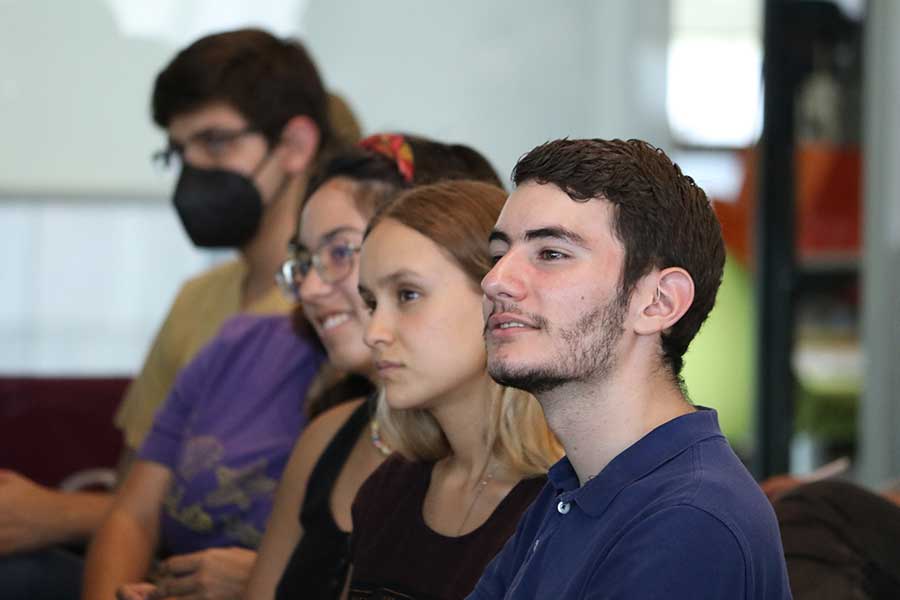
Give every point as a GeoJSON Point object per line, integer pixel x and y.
{"type": "Point", "coordinates": [386, 366]}
{"type": "Point", "coordinates": [333, 320]}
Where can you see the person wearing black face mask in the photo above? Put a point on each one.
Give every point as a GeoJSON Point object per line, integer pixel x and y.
{"type": "Point", "coordinates": [219, 208]}
{"type": "Point", "coordinates": [246, 116]}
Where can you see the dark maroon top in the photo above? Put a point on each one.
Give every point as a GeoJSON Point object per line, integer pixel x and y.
{"type": "Point", "coordinates": [396, 555]}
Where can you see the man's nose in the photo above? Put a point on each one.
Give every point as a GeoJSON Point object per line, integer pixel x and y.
{"type": "Point", "coordinates": [505, 281]}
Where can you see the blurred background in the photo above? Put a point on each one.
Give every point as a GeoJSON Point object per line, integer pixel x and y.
{"type": "Point", "coordinates": [784, 111]}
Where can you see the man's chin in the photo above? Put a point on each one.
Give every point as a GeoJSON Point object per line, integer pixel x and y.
{"type": "Point", "coordinates": [534, 380]}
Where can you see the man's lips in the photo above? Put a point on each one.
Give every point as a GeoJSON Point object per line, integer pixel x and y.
{"type": "Point", "coordinates": [509, 322]}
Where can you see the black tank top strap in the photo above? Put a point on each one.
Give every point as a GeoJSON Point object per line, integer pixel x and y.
{"type": "Point", "coordinates": [329, 465]}
{"type": "Point", "coordinates": [318, 565]}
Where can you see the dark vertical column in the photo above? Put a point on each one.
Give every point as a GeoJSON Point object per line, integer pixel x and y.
{"type": "Point", "coordinates": [775, 248]}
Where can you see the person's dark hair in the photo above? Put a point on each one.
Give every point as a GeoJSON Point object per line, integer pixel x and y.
{"type": "Point", "coordinates": [266, 79]}
{"type": "Point", "coordinates": [430, 162]}
{"type": "Point", "coordinates": [662, 218]}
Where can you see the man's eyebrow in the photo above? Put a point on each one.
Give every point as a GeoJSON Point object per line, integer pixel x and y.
{"type": "Point", "coordinates": [498, 236]}
{"type": "Point", "coordinates": [559, 233]}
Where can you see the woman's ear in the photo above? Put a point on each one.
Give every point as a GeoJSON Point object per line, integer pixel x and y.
{"type": "Point", "coordinates": [667, 295]}
{"type": "Point", "coordinates": [298, 144]}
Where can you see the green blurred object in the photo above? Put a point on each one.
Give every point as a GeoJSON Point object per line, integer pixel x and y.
{"type": "Point", "coordinates": [828, 364]}
{"type": "Point", "coordinates": [829, 417]}
{"type": "Point", "coordinates": [720, 362]}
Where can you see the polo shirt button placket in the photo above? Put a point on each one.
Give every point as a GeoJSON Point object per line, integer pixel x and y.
{"type": "Point", "coordinates": [563, 507]}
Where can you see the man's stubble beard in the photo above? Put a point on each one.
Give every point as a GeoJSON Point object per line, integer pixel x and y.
{"type": "Point", "coordinates": [588, 352]}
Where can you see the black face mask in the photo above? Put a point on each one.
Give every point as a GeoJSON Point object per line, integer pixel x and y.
{"type": "Point", "coordinates": [218, 208]}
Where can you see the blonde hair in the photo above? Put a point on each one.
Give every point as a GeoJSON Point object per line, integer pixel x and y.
{"type": "Point", "coordinates": [516, 432]}
{"type": "Point", "coordinates": [459, 216]}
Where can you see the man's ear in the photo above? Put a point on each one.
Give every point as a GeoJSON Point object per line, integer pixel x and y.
{"type": "Point", "coordinates": [299, 144]}
{"type": "Point", "coordinates": [665, 296]}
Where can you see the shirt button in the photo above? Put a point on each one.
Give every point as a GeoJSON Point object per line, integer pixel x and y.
{"type": "Point", "coordinates": [563, 507]}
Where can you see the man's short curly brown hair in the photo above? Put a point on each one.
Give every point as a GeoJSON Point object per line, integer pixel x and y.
{"type": "Point", "coordinates": [662, 218]}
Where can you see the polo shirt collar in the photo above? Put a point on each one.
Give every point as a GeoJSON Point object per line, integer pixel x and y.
{"type": "Point", "coordinates": [636, 461]}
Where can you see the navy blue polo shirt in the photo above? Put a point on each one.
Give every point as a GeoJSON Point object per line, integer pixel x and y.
{"type": "Point", "coordinates": [675, 515]}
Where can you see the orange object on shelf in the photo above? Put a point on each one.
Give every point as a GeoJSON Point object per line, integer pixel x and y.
{"type": "Point", "coordinates": [828, 204]}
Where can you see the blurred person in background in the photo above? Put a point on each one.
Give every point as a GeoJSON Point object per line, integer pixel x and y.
{"type": "Point", "coordinates": [247, 116]}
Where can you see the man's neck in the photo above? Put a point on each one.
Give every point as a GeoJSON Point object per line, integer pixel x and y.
{"type": "Point", "coordinates": [264, 254]}
{"type": "Point", "coordinates": [597, 421]}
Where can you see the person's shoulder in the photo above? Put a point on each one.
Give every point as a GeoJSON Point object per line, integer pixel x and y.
{"type": "Point", "coordinates": [727, 492]}
{"type": "Point", "coordinates": [321, 430]}
{"type": "Point", "coordinates": [244, 326]}
{"type": "Point", "coordinates": [258, 335]}
{"type": "Point", "coordinates": [219, 283]}
{"type": "Point", "coordinates": [225, 273]}
{"type": "Point", "coordinates": [724, 486]}
{"type": "Point", "coordinates": [686, 525]}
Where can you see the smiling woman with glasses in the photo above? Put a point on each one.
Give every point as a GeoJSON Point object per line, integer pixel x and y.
{"type": "Point", "coordinates": [306, 557]}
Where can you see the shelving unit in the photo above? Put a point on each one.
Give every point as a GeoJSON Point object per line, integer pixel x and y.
{"type": "Point", "coordinates": [796, 33]}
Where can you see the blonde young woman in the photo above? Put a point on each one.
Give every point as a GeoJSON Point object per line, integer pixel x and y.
{"type": "Point", "coordinates": [472, 455]}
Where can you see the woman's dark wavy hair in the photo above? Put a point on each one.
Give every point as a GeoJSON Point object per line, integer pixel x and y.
{"type": "Point", "coordinates": [432, 162]}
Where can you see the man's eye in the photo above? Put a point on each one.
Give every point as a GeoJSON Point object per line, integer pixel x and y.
{"type": "Point", "coordinates": [215, 143]}
{"type": "Point", "coordinates": [496, 259]}
{"type": "Point", "coordinates": [551, 255]}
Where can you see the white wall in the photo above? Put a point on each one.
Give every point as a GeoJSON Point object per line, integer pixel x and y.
{"type": "Point", "coordinates": [90, 251]}
{"type": "Point", "coordinates": [503, 75]}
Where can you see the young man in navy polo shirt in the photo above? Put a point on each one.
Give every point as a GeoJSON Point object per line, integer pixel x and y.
{"type": "Point", "coordinates": [607, 261]}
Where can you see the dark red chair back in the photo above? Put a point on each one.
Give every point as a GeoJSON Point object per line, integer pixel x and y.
{"type": "Point", "coordinates": [51, 428]}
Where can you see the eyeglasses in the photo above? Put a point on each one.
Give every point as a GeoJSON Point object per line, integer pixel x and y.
{"type": "Point", "coordinates": [333, 261]}
{"type": "Point", "coordinates": [214, 143]}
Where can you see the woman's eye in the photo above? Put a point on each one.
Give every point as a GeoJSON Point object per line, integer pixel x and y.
{"type": "Point", "coordinates": [405, 296]}
{"type": "Point", "coordinates": [341, 253]}
{"type": "Point", "coordinates": [496, 259]}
